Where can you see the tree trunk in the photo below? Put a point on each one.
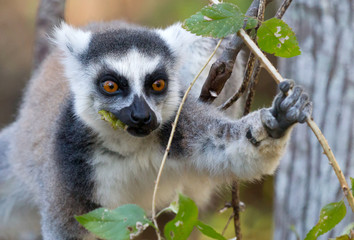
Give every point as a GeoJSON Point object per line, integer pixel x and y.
{"type": "Point", "coordinates": [305, 181]}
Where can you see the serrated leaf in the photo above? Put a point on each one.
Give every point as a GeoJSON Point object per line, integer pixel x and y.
{"type": "Point", "coordinates": [276, 37]}
{"type": "Point", "coordinates": [251, 23]}
{"type": "Point", "coordinates": [209, 231]}
{"type": "Point", "coordinates": [218, 20]}
{"type": "Point", "coordinates": [330, 216]}
{"type": "Point", "coordinates": [109, 117]}
{"type": "Point", "coordinates": [182, 225]}
{"type": "Point", "coordinates": [352, 181]}
{"type": "Point", "coordinates": [117, 224]}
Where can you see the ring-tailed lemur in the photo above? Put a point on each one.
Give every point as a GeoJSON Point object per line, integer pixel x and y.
{"type": "Point", "coordinates": [59, 159]}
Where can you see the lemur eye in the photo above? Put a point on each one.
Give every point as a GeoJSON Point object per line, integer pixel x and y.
{"type": "Point", "coordinates": [110, 86]}
{"type": "Point", "coordinates": [158, 85]}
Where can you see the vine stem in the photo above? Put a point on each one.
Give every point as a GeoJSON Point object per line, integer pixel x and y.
{"type": "Point", "coordinates": [321, 138]}
{"type": "Point", "coordinates": [174, 125]}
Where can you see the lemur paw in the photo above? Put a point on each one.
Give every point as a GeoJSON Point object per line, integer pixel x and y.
{"type": "Point", "coordinates": [286, 110]}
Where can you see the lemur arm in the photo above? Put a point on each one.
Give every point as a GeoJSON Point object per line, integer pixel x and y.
{"type": "Point", "coordinates": [247, 148]}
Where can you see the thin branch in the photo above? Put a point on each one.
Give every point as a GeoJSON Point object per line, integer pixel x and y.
{"type": "Point", "coordinates": [174, 125]}
{"type": "Point", "coordinates": [235, 202]}
{"type": "Point", "coordinates": [227, 224]}
{"type": "Point", "coordinates": [243, 87]}
{"type": "Point", "coordinates": [282, 9]}
{"type": "Point", "coordinates": [235, 193]}
{"type": "Point", "coordinates": [261, 11]}
{"type": "Point", "coordinates": [50, 13]}
{"type": "Point", "coordinates": [327, 150]}
{"type": "Point", "coordinates": [254, 79]}
{"type": "Point", "coordinates": [257, 67]}
{"type": "Point", "coordinates": [252, 87]}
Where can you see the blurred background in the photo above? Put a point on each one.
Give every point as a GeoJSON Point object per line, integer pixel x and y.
{"type": "Point", "coordinates": [17, 28]}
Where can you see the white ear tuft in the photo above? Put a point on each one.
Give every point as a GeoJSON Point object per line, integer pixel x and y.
{"type": "Point", "coordinates": [71, 40]}
{"type": "Point", "coordinates": [178, 38]}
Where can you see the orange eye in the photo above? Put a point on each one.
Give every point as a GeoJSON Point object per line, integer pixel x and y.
{"type": "Point", "coordinates": [158, 85]}
{"type": "Point", "coordinates": [110, 86]}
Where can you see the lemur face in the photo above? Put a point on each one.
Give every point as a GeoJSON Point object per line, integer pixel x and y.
{"type": "Point", "coordinates": [129, 73]}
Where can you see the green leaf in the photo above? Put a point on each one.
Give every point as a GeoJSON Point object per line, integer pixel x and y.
{"type": "Point", "coordinates": [352, 181]}
{"type": "Point", "coordinates": [182, 225]}
{"type": "Point", "coordinates": [330, 216]}
{"type": "Point", "coordinates": [218, 20]}
{"type": "Point", "coordinates": [109, 117]}
{"type": "Point", "coordinates": [343, 237]}
{"type": "Point", "coordinates": [276, 37]}
{"type": "Point", "coordinates": [251, 23]}
{"type": "Point", "coordinates": [118, 224]}
{"type": "Point", "coordinates": [209, 231]}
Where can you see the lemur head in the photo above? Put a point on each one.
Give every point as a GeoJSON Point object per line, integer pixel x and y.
{"type": "Point", "coordinates": [128, 72]}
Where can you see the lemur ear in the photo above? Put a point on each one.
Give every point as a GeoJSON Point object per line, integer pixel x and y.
{"type": "Point", "coordinates": [71, 40]}
{"type": "Point", "coordinates": [178, 38]}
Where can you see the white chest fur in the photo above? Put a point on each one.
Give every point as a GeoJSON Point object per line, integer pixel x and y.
{"type": "Point", "coordinates": [125, 172]}
{"type": "Point", "coordinates": [129, 177]}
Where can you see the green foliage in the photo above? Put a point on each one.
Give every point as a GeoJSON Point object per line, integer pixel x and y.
{"type": "Point", "coordinates": [275, 36]}
{"type": "Point", "coordinates": [352, 181]}
{"type": "Point", "coordinates": [218, 20]}
{"type": "Point", "coordinates": [118, 224]}
{"type": "Point", "coordinates": [208, 231]}
{"type": "Point", "coordinates": [343, 237]}
{"type": "Point", "coordinates": [128, 221]}
{"type": "Point", "coordinates": [182, 225]}
{"type": "Point", "coordinates": [330, 216]}
{"type": "Point", "coordinates": [186, 219]}
{"type": "Point", "coordinates": [109, 117]}
{"type": "Point", "coordinates": [251, 23]}
{"type": "Point", "coordinates": [346, 232]}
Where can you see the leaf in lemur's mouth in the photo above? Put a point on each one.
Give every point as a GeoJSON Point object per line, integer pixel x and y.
{"type": "Point", "coordinates": [109, 117]}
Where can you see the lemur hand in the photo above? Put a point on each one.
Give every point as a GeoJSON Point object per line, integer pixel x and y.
{"type": "Point", "coordinates": [286, 110]}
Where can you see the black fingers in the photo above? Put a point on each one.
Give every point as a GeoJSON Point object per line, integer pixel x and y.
{"type": "Point", "coordinates": [290, 106]}
{"type": "Point", "coordinates": [294, 112]}
{"type": "Point", "coordinates": [286, 86]}
{"type": "Point", "coordinates": [305, 113]}
{"type": "Point", "coordinates": [291, 99]}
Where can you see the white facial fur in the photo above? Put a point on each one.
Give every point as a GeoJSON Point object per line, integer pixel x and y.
{"type": "Point", "coordinates": [133, 65]}
{"type": "Point", "coordinates": [178, 39]}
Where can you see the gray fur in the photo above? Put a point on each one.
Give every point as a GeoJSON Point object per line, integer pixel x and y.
{"type": "Point", "coordinates": [120, 41]}
{"type": "Point", "coordinates": [19, 218]}
{"type": "Point", "coordinates": [64, 160]}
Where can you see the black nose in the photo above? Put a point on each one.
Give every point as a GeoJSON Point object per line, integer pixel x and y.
{"type": "Point", "coordinates": [140, 117]}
